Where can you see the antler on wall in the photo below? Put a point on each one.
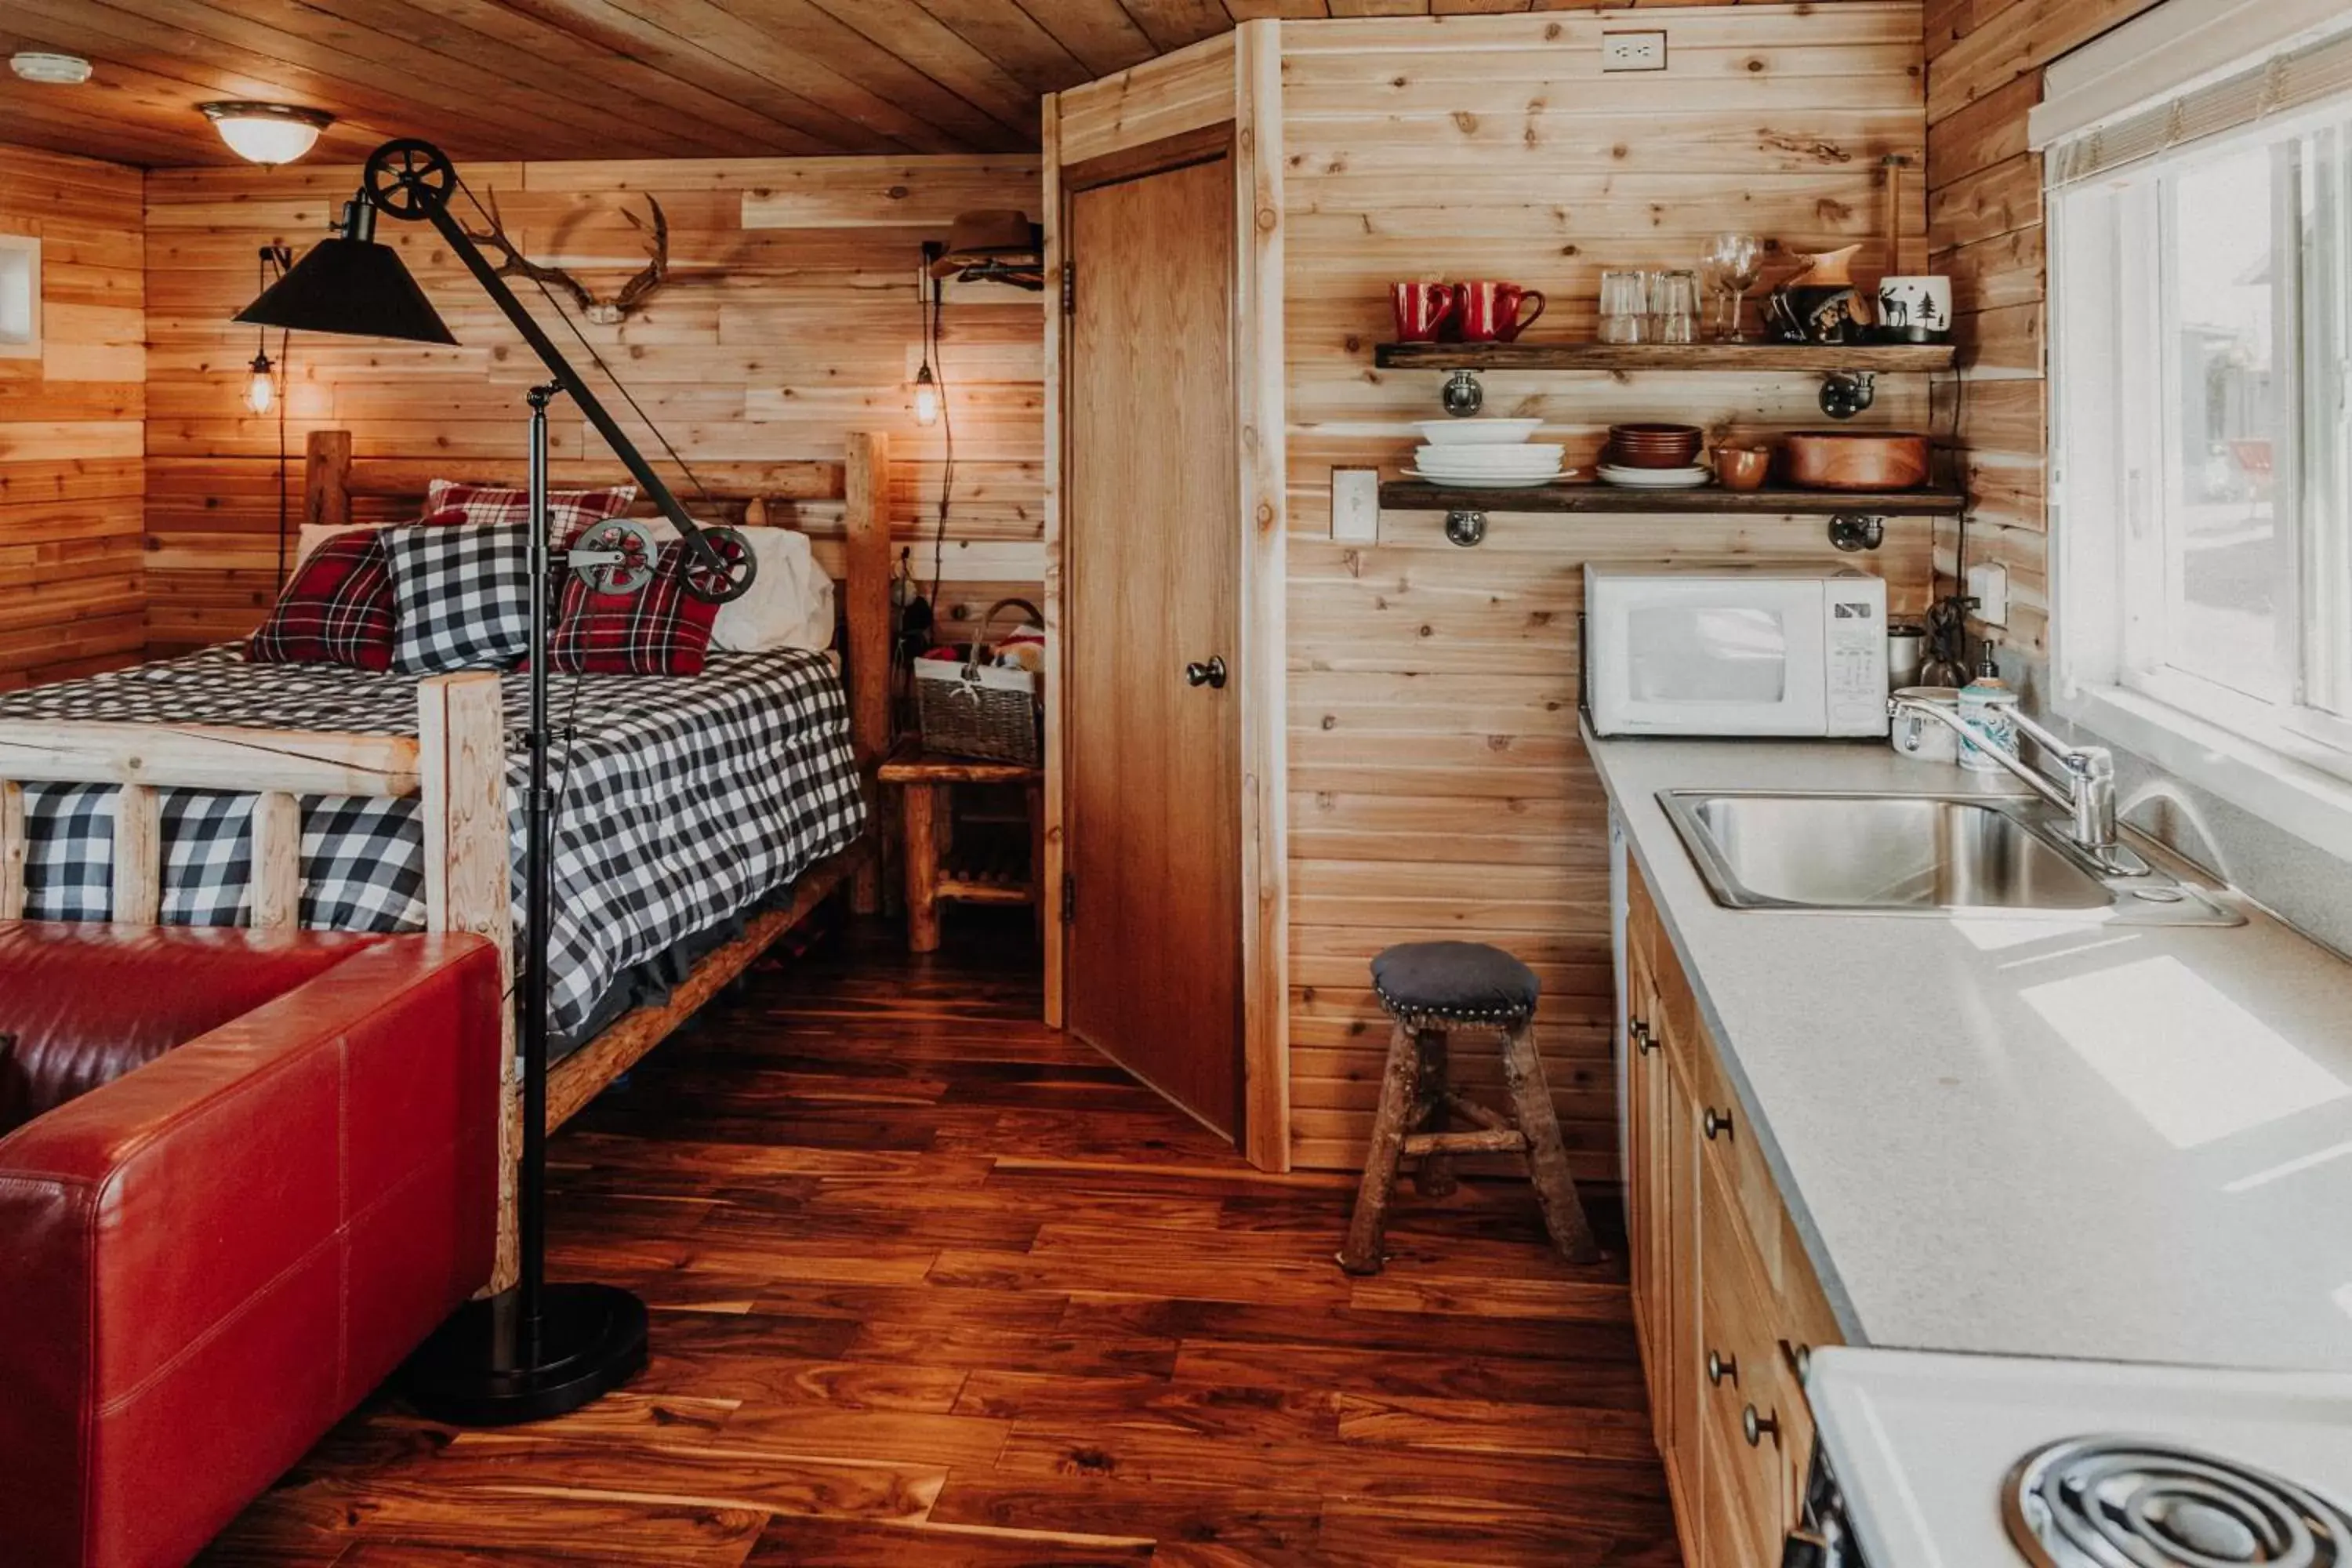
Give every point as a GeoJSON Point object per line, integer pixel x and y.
{"type": "Point", "coordinates": [603, 312]}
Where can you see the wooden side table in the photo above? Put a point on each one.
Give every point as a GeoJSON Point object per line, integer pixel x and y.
{"type": "Point", "coordinates": [934, 871]}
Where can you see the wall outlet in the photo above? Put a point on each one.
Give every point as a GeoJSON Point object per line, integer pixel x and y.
{"type": "Point", "coordinates": [1633, 51]}
{"type": "Point", "coordinates": [1989, 586]}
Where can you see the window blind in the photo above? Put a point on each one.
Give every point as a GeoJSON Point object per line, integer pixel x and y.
{"type": "Point", "coordinates": [2187, 70]}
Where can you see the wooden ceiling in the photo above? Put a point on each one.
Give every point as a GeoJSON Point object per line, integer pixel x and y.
{"type": "Point", "coordinates": [604, 78]}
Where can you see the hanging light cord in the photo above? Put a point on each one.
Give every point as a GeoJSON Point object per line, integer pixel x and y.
{"type": "Point", "coordinates": [700, 490]}
{"type": "Point", "coordinates": [947, 428]}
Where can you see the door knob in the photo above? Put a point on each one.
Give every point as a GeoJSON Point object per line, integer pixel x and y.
{"type": "Point", "coordinates": [1210, 674]}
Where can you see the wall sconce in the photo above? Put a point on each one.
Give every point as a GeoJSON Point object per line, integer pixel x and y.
{"type": "Point", "coordinates": [261, 386]}
{"type": "Point", "coordinates": [926, 397]}
{"type": "Point", "coordinates": [266, 133]}
{"type": "Point", "coordinates": [927, 292]}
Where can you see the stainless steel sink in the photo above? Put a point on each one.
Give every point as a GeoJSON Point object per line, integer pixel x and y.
{"type": "Point", "coordinates": [1903, 854]}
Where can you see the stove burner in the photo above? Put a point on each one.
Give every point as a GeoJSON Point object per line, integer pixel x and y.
{"type": "Point", "coordinates": [2129, 1502]}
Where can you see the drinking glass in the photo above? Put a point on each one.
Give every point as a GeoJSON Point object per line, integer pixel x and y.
{"type": "Point", "coordinates": [1673, 306]}
{"type": "Point", "coordinates": [1624, 307]}
{"type": "Point", "coordinates": [1733, 261]}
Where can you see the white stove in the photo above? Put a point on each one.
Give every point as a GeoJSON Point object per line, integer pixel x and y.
{"type": "Point", "coordinates": [1956, 1461]}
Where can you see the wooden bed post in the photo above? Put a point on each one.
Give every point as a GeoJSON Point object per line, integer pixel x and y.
{"type": "Point", "coordinates": [327, 479]}
{"type": "Point", "coordinates": [866, 490]}
{"type": "Point", "coordinates": [461, 768]}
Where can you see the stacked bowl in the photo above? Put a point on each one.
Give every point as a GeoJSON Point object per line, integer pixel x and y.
{"type": "Point", "coordinates": [1654, 457]}
{"type": "Point", "coordinates": [1485, 455]}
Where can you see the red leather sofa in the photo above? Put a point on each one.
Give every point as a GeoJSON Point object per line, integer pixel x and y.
{"type": "Point", "coordinates": [242, 1174]}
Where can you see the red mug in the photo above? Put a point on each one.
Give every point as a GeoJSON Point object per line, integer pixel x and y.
{"type": "Point", "coordinates": [1420, 308]}
{"type": "Point", "coordinates": [1489, 312]}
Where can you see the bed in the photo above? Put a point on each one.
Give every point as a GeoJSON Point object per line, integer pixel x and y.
{"type": "Point", "coordinates": [699, 820]}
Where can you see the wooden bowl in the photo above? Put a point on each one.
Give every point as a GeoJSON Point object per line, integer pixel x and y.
{"type": "Point", "coordinates": [1853, 461]}
{"type": "Point", "coordinates": [1742, 467]}
{"type": "Point", "coordinates": [1652, 445]}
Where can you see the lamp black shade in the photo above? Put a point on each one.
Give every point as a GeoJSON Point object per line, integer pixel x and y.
{"type": "Point", "coordinates": [354, 285]}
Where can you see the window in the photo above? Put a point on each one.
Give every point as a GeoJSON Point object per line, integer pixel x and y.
{"type": "Point", "coordinates": [2202, 357]}
{"type": "Point", "coordinates": [20, 297]}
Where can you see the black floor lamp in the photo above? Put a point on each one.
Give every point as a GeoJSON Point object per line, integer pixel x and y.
{"type": "Point", "coordinates": [537, 1350]}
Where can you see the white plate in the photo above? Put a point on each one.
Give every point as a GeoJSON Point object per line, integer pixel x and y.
{"type": "Point", "coordinates": [1654, 478]}
{"type": "Point", "coordinates": [1490, 471]}
{"type": "Point", "coordinates": [1521, 456]}
{"type": "Point", "coordinates": [1489, 482]}
{"type": "Point", "coordinates": [1476, 432]}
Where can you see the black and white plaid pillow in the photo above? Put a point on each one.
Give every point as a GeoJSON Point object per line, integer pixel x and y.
{"type": "Point", "coordinates": [462, 597]}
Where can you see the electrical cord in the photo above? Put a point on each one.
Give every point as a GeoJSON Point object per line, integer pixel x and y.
{"type": "Point", "coordinates": [947, 429]}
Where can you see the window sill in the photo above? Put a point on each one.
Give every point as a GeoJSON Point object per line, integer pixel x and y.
{"type": "Point", "coordinates": [2276, 779]}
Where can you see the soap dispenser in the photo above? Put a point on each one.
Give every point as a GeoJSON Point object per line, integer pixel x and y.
{"type": "Point", "coordinates": [1988, 709]}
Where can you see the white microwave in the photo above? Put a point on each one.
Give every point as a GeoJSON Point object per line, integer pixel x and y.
{"type": "Point", "coordinates": [1734, 650]}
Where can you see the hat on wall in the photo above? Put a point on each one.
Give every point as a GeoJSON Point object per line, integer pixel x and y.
{"type": "Point", "coordinates": [993, 236]}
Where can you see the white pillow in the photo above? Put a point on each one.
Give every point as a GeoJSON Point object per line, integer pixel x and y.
{"type": "Point", "coordinates": [791, 601]}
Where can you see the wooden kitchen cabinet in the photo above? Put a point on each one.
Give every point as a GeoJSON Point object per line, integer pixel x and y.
{"type": "Point", "coordinates": [1726, 1302]}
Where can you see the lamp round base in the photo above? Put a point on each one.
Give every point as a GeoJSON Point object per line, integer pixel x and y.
{"type": "Point", "coordinates": [591, 1340]}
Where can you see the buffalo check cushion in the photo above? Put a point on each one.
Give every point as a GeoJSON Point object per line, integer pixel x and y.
{"type": "Point", "coordinates": [461, 596]}
{"type": "Point", "coordinates": [568, 511]}
{"type": "Point", "coordinates": [337, 609]}
{"type": "Point", "coordinates": [660, 630]}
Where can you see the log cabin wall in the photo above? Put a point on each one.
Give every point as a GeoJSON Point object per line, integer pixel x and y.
{"type": "Point", "coordinates": [71, 599]}
{"type": "Point", "coordinates": [1438, 785]}
{"type": "Point", "coordinates": [1985, 59]}
{"type": "Point", "coordinates": [789, 319]}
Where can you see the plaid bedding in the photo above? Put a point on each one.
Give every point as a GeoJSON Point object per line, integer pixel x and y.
{"type": "Point", "coordinates": [682, 802]}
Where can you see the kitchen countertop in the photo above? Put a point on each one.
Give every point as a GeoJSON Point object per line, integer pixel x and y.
{"type": "Point", "coordinates": [2037, 1136]}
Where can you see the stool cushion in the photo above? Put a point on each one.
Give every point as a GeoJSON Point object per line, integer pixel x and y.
{"type": "Point", "coordinates": [1467, 981]}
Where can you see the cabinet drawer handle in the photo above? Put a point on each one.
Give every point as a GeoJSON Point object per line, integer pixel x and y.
{"type": "Point", "coordinates": [1639, 1033]}
{"type": "Point", "coordinates": [1715, 1124]}
{"type": "Point", "coordinates": [1801, 1357]}
{"type": "Point", "coordinates": [1720, 1366]}
{"type": "Point", "coordinates": [1754, 1427]}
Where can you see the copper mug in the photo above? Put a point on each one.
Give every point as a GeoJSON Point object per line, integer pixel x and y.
{"type": "Point", "coordinates": [1490, 312]}
{"type": "Point", "coordinates": [1420, 309]}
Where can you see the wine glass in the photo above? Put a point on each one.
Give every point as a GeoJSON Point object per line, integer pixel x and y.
{"type": "Point", "coordinates": [1733, 262]}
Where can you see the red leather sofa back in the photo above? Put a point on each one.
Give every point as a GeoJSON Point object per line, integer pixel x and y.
{"type": "Point", "coordinates": [206, 1262]}
{"type": "Point", "coordinates": [87, 1004]}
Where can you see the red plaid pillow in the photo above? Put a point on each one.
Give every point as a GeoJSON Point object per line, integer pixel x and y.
{"type": "Point", "coordinates": [337, 609]}
{"type": "Point", "coordinates": [568, 511]}
{"type": "Point", "coordinates": [663, 630]}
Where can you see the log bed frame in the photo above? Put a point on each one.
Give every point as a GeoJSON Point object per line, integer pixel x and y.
{"type": "Point", "coordinates": [456, 769]}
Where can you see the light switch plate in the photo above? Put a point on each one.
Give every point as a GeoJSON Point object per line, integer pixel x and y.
{"type": "Point", "coordinates": [1629, 51]}
{"type": "Point", "coordinates": [1356, 505]}
{"type": "Point", "coordinates": [1989, 586]}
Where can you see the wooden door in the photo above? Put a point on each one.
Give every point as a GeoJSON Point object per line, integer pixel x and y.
{"type": "Point", "coordinates": [1151, 562]}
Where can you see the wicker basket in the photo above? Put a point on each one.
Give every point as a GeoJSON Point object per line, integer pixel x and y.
{"type": "Point", "coordinates": [976, 710]}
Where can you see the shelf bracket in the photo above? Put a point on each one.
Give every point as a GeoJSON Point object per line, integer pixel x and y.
{"type": "Point", "coordinates": [1463, 396]}
{"type": "Point", "coordinates": [1847, 393]}
{"type": "Point", "coordinates": [1852, 532]}
{"type": "Point", "coordinates": [1465, 528]}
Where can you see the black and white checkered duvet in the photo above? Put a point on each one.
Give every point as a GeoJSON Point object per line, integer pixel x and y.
{"type": "Point", "coordinates": [683, 801]}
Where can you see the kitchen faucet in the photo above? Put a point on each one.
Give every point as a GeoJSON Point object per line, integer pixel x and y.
{"type": "Point", "coordinates": [2087, 793]}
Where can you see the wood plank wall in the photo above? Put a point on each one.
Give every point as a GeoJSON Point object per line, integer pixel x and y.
{"type": "Point", "coordinates": [71, 599]}
{"type": "Point", "coordinates": [1438, 787]}
{"type": "Point", "coordinates": [1985, 59]}
{"type": "Point", "coordinates": [790, 320]}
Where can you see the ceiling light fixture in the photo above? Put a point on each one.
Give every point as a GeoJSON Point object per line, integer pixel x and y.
{"type": "Point", "coordinates": [267, 134]}
{"type": "Point", "coordinates": [50, 70]}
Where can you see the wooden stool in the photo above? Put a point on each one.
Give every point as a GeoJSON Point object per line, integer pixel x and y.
{"type": "Point", "coordinates": [927, 813]}
{"type": "Point", "coordinates": [1428, 988]}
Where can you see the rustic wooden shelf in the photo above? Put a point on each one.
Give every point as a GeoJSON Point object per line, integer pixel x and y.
{"type": "Point", "coordinates": [1818, 359]}
{"type": "Point", "coordinates": [1415, 495]}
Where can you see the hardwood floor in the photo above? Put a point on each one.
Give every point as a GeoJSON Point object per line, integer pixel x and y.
{"type": "Point", "coordinates": [933, 1286]}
